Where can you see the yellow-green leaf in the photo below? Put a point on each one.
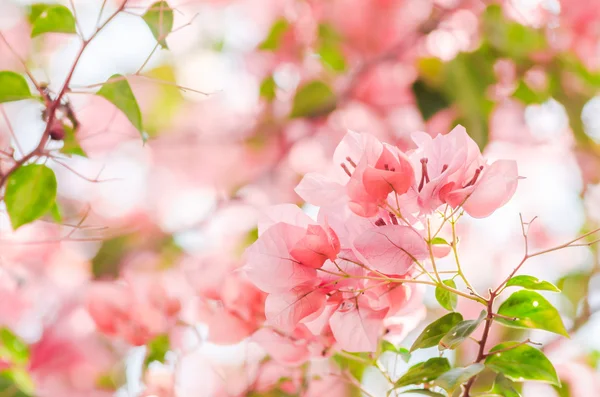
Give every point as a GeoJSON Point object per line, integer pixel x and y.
{"type": "Point", "coordinates": [528, 309]}
{"type": "Point", "coordinates": [424, 372]}
{"type": "Point", "coordinates": [13, 87]}
{"type": "Point", "coordinates": [434, 332]}
{"type": "Point", "coordinates": [159, 19]}
{"type": "Point", "coordinates": [521, 363]}
{"type": "Point", "coordinates": [117, 91]}
{"type": "Point", "coordinates": [30, 193]}
{"type": "Point", "coordinates": [313, 99]}
{"type": "Point", "coordinates": [55, 19]}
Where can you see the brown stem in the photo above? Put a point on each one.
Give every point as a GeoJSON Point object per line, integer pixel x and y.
{"type": "Point", "coordinates": [486, 332]}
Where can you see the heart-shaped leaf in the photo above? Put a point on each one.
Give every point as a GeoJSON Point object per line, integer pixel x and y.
{"type": "Point", "coordinates": [528, 309]}
{"type": "Point", "coordinates": [520, 362]}
{"type": "Point", "coordinates": [117, 91]}
{"type": "Point", "coordinates": [313, 99]}
{"type": "Point", "coordinates": [445, 298]}
{"type": "Point", "coordinates": [13, 87]}
{"type": "Point", "coordinates": [30, 194]}
{"type": "Point", "coordinates": [55, 19]}
{"type": "Point", "coordinates": [159, 19]}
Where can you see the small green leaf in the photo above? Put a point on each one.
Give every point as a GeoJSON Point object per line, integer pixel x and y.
{"type": "Point", "coordinates": [439, 241]}
{"type": "Point", "coordinates": [333, 57]}
{"type": "Point", "coordinates": [424, 372]}
{"type": "Point", "coordinates": [13, 87]}
{"type": "Point", "coordinates": [389, 347]}
{"type": "Point", "coordinates": [268, 89]}
{"type": "Point", "coordinates": [117, 91]}
{"type": "Point", "coordinates": [54, 19]}
{"type": "Point", "coordinates": [460, 332]}
{"type": "Point", "coordinates": [502, 388]}
{"type": "Point", "coordinates": [424, 392]}
{"type": "Point", "coordinates": [533, 283]}
{"type": "Point", "coordinates": [531, 310]}
{"type": "Point", "coordinates": [70, 143]}
{"type": "Point", "coordinates": [157, 349]}
{"type": "Point", "coordinates": [445, 298]}
{"type": "Point", "coordinates": [159, 19]}
{"type": "Point", "coordinates": [13, 348]}
{"type": "Point", "coordinates": [429, 100]}
{"type": "Point", "coordinates": [355, 367]}
{"type": "Point", "coordinates": [454, 378]}
{"type": "Point", "coordinates": [273, 40]}
{"type": "Point", "coordinates": [313, 99]}
{"type": "Point", "coordinates": [434, 332]}
{"type": "Point", "coordinates": [521, 362]}
{"type": "Point", "coordinates": [30, 194]}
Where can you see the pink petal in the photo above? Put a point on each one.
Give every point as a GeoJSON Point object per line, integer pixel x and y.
{"type": "Point", "coordinates": [389, 248]}
{"type": "Point", "coordinates": [285, 350]}
{"type": "Point", "coordinates": [320, 190]}
{"type": "Point", "coordinates": [357, 329]}
{"type": "Point", "coordinates": [318, 245]}
{"type": "Point", "coordinates": [285, 311]}
{"type": "Point", "coordinates": [286, 213]}
{"type": "Point", "coordinates": [269, 264]}
{"type": "Point", "coordinates": [497, 185]}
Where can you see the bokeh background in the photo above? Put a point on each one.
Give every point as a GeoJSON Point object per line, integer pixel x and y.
{"type": "Point", "coordinates": [249, 96]}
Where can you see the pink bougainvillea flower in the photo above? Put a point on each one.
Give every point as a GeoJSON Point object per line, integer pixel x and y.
{"type": "Point", "coordinates": [372, 171]}
{"type": "Point", "coordinates": [356, 327]}
{"type": "Point", "coordinates": [285, 311]}
{"type": "Point", "coordinates": [454, 172]}
{"type": "Point", "coordinates": [286, 255]}
{"type": "Point", "coordinates": [391, 249]}
{"type": "Point", "coordinates": [287, 350]}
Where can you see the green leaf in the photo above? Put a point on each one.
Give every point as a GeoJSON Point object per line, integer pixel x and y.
{"type": "Point", "coordinates": [424, 392]}
{"type": "Point", "coordinates": [268, 89]}
{"type": "Point", "coordinates": [332, 56]}
{"type": "Point", "coordinates": [574, 287]}
{"type": "Point", "coordinates": [165, 105]}
{"type": "Point", "coordinates": [355, 367]}
{"type": "Point", "coordinates": [434, 332]}
{"type": "Point", "coordinates": [313, 99]}
{"type": "Point", "coordinates": [273, 40]}
{"type": "Point", "coordinates": [424, 372]}
{"type": "Point", "coordinates": [15, 383]}
{"type": "Point", "coordinates": [106, 262]}
{"type": "Point", "coordinates": [528, 96]}
{"type": "Point", "coordinates": [532, 283]}
{"type": "Point", "coordinates": [157, 349]}
{"type": "Point", "coordinates": [55, 213]}
{"type": "Point", "coordinates": [117, 91]}
{"type": "Point", "coordinates": [30, 194]}
{"type": "Point", "coordinates": [445, 298]}
{"type": "Point", "coordinates": [35, 10]}
{"type": "Point", "coordinates": [54, 19]}
{"type": "Point", "coordinates": [460, 332]}
{"type": "Point", "coordinates": [521, 362]}
{"type": "Point", "coordinates": [429, 100]}
{"type": "Point", "coordinates": [13, 348]}
{"type": "Point", "coordinates": [438, 241]}
{"type": "Point", "coordinates": [70, 143]}
{"type": "Point", "coordinates": [13, 87]}
{"type": "Point", "coordinates": [454, 378]}
{"type": "Point", "coordinates": [389, 347]}
{"type": "Point", "coordinates": [531, 310]}
{"type": "Point", "coordinates": [502, 388]}
{"type": "Point", "coordinates": [159, 19]}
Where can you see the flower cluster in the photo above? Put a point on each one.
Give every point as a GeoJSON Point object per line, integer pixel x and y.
{"type": "Point", "coordinates": [342, 281]}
